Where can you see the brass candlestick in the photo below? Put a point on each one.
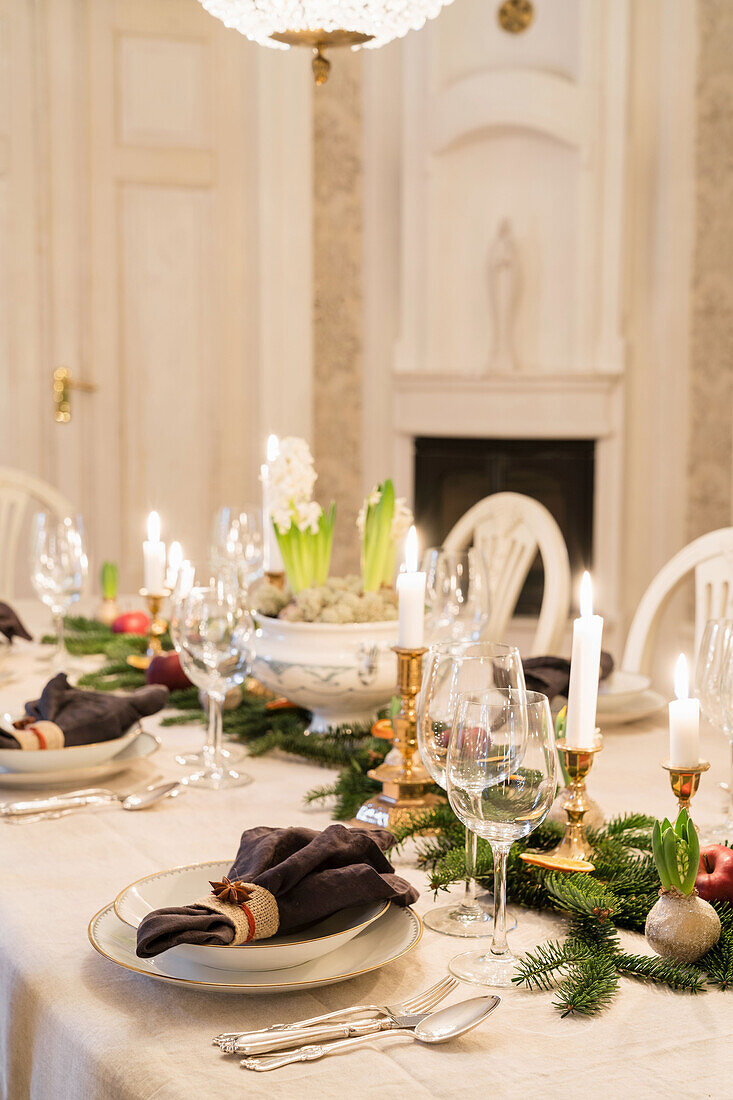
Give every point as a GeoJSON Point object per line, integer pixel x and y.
{"type": "Point", "coordinates": [685, 781]}
{"type": "Point", "coordinates": [574, 847]}
{"type": "Point", "coordinates": [405, 786]}
{"type": "Point", "coordinates": [158, 627]}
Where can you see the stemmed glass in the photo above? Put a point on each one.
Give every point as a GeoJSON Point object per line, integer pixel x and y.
{"type": "Point", "coordinates": [714, 689]}
{"type": "Point", "coordinates": [58, 568]}
{"type": "Point", "coordinates": [214, 632]}
{"type": "Point", "coordinates": [453, 668]}
{"type": "Point", "coordinates": [501, 778]}
{"type": "Point", "coordinates": [237, 543]}
{"type": "Point", "coordinates": [183, 585]}
{"type": "Point", "coordinates": [457, 594]}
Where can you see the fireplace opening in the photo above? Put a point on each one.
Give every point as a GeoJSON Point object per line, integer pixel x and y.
{"type": "Point", "coordinates": [451, 475]}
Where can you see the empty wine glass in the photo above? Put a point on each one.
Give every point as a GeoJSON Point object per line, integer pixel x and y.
{"type": "Point", "coordinates": [237, 543]}
{"type": "Point", "coordinates": [501, 778]}
{"type": "Point", "coordinates": [184, 582]}
{"type": "Point", "coordinates": [456, 594]}
{"type": "Point", "coordinates": [214, 632]}
{"type": "Point", "coordinates": [452, 669]}
{"type": "Point", "coordinates": [725, 713]}
{"type": "Point", "coordinates": [58, 568]}
{"type": "Point", "coordinates": [709, 668]}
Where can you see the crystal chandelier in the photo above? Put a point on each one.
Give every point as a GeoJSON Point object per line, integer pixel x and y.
{"type": "Point", "coordinates": [319, 24]}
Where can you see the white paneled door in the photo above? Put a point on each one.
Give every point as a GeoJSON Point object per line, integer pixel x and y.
{"type": "Point", "coordinates": [147, 234]}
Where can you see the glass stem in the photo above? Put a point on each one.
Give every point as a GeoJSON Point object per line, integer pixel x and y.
{"type": "Point", "coordinates": [498, 942]}
{"type": "Point", "coordinates": [469, 905]}
{"type": "Point", "coordinates": [212, 748]}
{"type": "Point", "coordinates": [58, 622]}
{"type": "Point", "coordinates": [729, 822]}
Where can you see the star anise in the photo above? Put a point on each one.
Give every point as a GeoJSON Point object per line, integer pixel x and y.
{"type": "Point", "coordinates": [234, 892]}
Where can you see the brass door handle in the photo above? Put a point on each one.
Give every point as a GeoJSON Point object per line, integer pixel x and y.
{"type": "Point", "coordinates": [63, 383]}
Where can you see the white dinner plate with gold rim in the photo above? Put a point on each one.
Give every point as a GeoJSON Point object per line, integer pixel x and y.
{"type": "Point", "coordinates": [141, 747]}
{"type": "Point", "coordinates": [69, 759]}
{"type": "Point", "coordinates": [183, 885]}
{"type": "Point", "coordinates": [397, 933]}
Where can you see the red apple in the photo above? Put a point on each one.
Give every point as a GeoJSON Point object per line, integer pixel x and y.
{"type": "Point", "coordinates": [166, 669]}
{"type": "Point", "coordinates": [132, 622]}
{"type": "Point", "coordinates": [714, 880]}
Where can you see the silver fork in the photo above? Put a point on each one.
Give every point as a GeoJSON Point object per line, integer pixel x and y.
{"type": "Point", "coordinates": [421, 1002]}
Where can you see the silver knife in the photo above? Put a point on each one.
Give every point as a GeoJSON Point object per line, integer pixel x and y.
{"type": "Point", "coordinates": [265, 1044]}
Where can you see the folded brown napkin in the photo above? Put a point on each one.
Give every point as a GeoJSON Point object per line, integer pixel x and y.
{"type": "Point", "coordinates": [551, 675]}
{"type": "Point", "coordinates": [67, 716]}
{"type": "Point", "coordinates": [282, 880]}
{"type": "Point", "coordinates": [10, 624]}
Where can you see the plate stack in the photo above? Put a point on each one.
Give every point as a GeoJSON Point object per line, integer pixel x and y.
{"type": "Point", "coordinates": [346, 944]}
{"type": "Point", "coordinates": [625, 697]}
{"type": "Point", "coordinates": [59, 768]}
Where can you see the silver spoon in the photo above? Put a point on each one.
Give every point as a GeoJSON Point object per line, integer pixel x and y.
{"type": "Point", "coordinates": [438, 1027]}
{"type": "Point", "coordinates": [60, 807]}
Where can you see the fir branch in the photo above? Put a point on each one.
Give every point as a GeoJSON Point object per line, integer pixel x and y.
{"type": "Point", "coordinates": [718, 962]}
{"type": "Point", "coordinates": [589, 986]}
{"type": "Point", "coordinates": [651, 968]}
{"type": "Point", "coordinates": [538, 969]}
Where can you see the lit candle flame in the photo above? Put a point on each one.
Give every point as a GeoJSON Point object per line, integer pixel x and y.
{"type": "Point", "coordinates": [273, 448]}
{"type": "Point", "coordinates": [153, 527]}
{"type": "Point", "coordinates": [586, 596]}
{"type": "Point", "coordinates": [411, 551]}
{"type": "Point", "coordinates": [681, 678]}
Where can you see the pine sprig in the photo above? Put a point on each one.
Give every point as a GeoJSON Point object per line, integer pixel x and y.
{"type": "Point", "coordinates": [651, 968]}
{"type": "Point", "coordinates": [589, 987]}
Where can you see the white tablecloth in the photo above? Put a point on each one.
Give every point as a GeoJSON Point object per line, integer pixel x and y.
{"type": "Point", "coordinates": [74, 1025]}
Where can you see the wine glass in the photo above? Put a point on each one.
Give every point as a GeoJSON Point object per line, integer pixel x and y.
{"type": "Point", "coordinates": [501, 777]}
{"type": "Point", "coordinates": [453, 668]}
{"type": "Point", "coordinates": [58, 565]}
{"type": "Point", "coordinates": [214, 631]}
{"type": "Point", "coordinates": [725, 716]}
{"type": "Point", "coordinates": [184, 583]}
{"type": "Point", "coordinates": [456, 594]}
{"type": "Point", "coordinates": [709, 668]}
{"type": "Point", "coordinates": [237, 543]}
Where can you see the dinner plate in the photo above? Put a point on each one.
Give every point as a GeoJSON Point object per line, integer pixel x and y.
{"type": "Point", "coordinates": [642, 706]}
{"type": "Point", "coordinates": [397, 933]}
{"type": "Point", "coordinates": [183, 885]}
{"type": "Point", "coordinates": [621, 688]}
{"type": "Point", "coordinates": [143, 745]}
{"type": "Point", "coordinates": [69, 759]}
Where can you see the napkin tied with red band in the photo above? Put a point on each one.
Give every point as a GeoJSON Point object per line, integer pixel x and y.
{"type": "Point", "coordinates": [551, 675]}
{"type": "Point", "coordinates": [282, 880]}
{"type": "Point", "coordinates": [10, 624]}
{"type": "Point", "coordinates": [65, 716]}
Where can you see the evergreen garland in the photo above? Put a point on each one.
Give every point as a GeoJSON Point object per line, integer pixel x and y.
{"type": "Point", "coordinates": [584, 969]}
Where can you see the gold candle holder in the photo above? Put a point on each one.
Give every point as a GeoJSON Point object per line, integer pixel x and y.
{"type": "Point", "coordinates": [405, 786]}
{"type": "Point", "coordinates": [158, 627]}
{"type": "Point", "coordinates": [685, 781]}
{"type": "Point", "coordinates": [574, 849]}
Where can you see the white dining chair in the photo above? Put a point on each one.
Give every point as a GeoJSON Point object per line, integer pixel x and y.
{"type": "Point", "coordinates": [20, 493]}
{"type": "Point", "coordinates": [710, 558]}
{"type": "Point", "coordinates": [510, 528]}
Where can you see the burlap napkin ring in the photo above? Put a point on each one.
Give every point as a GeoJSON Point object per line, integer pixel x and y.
{"type": "Point", "coordinates": [252, 910]}
{"type": "Point", "coordinates": [36, 736]}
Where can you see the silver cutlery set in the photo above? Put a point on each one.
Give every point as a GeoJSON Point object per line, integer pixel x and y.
{"type": "Point", "coordinates": [345, 1029]}
{"type": "Point", "coordinates": [22, 812]}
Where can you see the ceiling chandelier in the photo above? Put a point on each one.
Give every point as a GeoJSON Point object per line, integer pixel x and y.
{"type": "Point", "coordinates": [320, 24]}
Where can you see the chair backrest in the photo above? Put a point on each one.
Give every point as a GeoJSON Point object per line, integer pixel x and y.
{"type": "Point", "coordinates": [509, 529]}
{"type": "Point", "coordinates": [18, 492]}
{"type": "Point", "coordinates": [710, 557]}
